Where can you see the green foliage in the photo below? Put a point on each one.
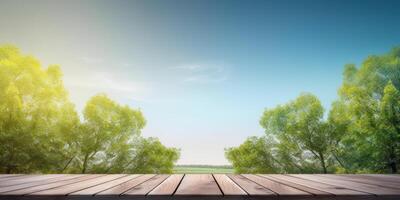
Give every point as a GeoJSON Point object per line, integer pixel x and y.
{"type": "Point", "coordinates": [40, 131]}
{"type": "Point", "coordinates": [361, 133]}
{"type": "Point", "coordinates": [370, 104]}
{"type": "Point", "coordinates": [152, 157]}
{"type": "Point", "coordinates": [255, 155]}
{"type": "Point", "coordinates": [106, 132]}
{"type": "Point", "coordinates": [35, 114]}
{"type": "Point", "coordinates": [302, 140]}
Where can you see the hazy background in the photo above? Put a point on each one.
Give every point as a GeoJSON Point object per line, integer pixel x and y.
{"type": "Point", "coordinates": [202, 72]}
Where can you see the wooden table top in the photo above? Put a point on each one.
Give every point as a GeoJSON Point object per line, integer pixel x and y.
{"type": "Point", "coordinates": [199, 186]}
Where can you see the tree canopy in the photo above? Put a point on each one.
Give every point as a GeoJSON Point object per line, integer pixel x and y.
{"type": "Point", "coordinates": [361, 132]}
{"type": "Point", "coordinates": [369, 104]}
{"type": "Point", "coordinates": [297, 139]}
{"type": "Point", "coordinates": [255, 155]}
{"type": "Point", "coordinates": [40, 130]}
{"type": "Point", "coordinates": [35, 114]}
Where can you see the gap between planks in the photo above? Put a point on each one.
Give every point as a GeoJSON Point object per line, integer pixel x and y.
{"type": "Point", "coordinates": [217, 185]}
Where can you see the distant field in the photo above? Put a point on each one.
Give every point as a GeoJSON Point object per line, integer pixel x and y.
{"type": "Point", "coordinates": [203, 169]}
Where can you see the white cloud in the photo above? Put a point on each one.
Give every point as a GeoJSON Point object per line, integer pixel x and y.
{"type": "Point", "coordinates": [193, 67]}
{"type": "Point", "coordinates": [203, 73]}
{"type": "Point", "coordinates": [206, 78]}
{"type": "Point", "coordinates": [104, 82]}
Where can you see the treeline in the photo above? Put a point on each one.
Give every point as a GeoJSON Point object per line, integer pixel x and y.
{"type": "Point", "coordinates": [360, 134]}
{"type": "Point", "coordinates": [41, 132]}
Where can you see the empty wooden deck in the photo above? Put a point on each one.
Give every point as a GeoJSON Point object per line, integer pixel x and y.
{"type": "Point", "coordinates": [199, 186]}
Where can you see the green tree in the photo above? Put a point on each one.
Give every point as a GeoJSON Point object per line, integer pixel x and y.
{"type": "Point", "coordinates": [106, 133]}
{"type": "Point", "coordinates": [390, 125]}
{"type": "Point", "coordinates": [149, 155]}
{"type": "Point", "coordinates": [255, 155]}
{"type": "Point", "coordinates": [300, 124]}
{"type": "Point", "coordinates": [110, 142]}
{"type": "Point", "coordinates": [369, 107]}
{"type": "Point", "coordinates": [40, 131]}
{"type": "Point", "coordinates": [298, 140]}
{"type": "Point", "coordinates": [35, 115]}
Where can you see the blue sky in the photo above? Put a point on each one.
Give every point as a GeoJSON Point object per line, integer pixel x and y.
{"type": "Point", "coordinates": [202, 72]}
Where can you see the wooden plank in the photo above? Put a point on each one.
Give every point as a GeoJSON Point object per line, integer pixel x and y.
{"type": "Point", "coordinates": [7, 175]}
{"type": "Point", "coordinates": [10, 180]}
{"type": "Point", "coordinates": [201, 186]}
{"type": "Point", "coordinates": [145, 187]}
{"type": "Point", "coordinates": [377, 190]}
{"type": "Point", "coordinates": [384, 177]}
{"type": "Point", "coordinates": [2, 176]}
{"type": "Point", "coordinates": [36, 183]}
{"type": "Point", "coordinates": [104, 186]}
{"type": "Point", "coordinates": [15, 177]}
{"type": "Point", "coordinates": [361, 179]}
{"type": "Point", "coordinates": [321, 186]}
{"type": "Point", "coordinates": [396, 176]}
{"type": "Point", "coordinates": [251, 188]}
{"type": "Point", "coordinates": [198, 185]}
{"type": "Point", "coordinates": [227, 186]}
{"type": "Point", "coordinates": [38, 188]}
{"type": "Point", "coordinates": [308, 189]}
{"type": "Point", "coordinates": [119, 189]}
{"type": "Point", "coordinates": [280, 189]}
{"type": "Point", "coordinates": [27, 179]}
{"type": "Point", "coordinates": [169, 186]}
{"type": "Point", "coordinates": [66, 189]}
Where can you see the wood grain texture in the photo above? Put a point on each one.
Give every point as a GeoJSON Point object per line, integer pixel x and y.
{"type": "Point", "coordinates": [118, 190]}
{"type": "Point", "coordinates": [169, 186]}
{"type": "Point", "coordinates": [336, 190]}
{"type": "Point", "coordinates": [38, 188]}
{"type": "Point", "coordinates": [251, 188]}
{"type": "Point", "coordinates": [145, 187]}
{"type": "Point", "coordinates": [280, 189]}
{"type": "Point", "coordinates": [104, 186]}
{"type": "Point", "coordinates": [227, 186]}
{"type": "Point", "coordinates": [66, 189]}
{"type": "Point", "coordinates": [27, 179]}
{"type": "Point", "coordinates": [36, 183]}
{"type": "Point", "coordinates": [366, 180]}
{"type": "Point", "coordinates": [8, 176]}
{"type": "Point", "coordinates": [198, 184]}
{"type": "Point", "coordinates": [384, 177]}
{"type": "Point", "coordinates": [199, 187]}
{"type": "Point", "coordinates": [376, 190]}
{"type": "Point", "coordinates": [17, 176]}
{"type": "Point", "coordinates": [281, 179]}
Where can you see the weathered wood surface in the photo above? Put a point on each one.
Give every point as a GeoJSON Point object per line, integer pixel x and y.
{"type": "Point", "coordinates": [200, 186]}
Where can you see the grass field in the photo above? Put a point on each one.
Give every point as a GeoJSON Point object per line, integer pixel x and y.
{"type": "Point", "coordinates": [202, 169]}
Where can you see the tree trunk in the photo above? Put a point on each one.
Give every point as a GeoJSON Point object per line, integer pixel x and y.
{"type": "Point", "coordinates": [66, 165]}
{"type": "Point", "coordinates": [393, 165]}
{"type": "Point", "coordinates": [393, 160]}
{"type": "Point", "coordinates": [85, 163]}
{"type": "Point", "coordinates": [338, 160]}
{"type": "Point", "coordinates": [8, 170]}
{"type": "Point", "coordinates": [323, 165]}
